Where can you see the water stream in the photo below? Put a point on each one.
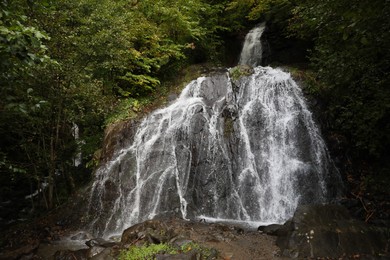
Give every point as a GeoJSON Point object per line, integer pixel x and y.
{"type": "Point", "coordinates": [243, 149]}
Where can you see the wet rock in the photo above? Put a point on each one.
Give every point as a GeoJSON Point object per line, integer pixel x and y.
{"type": "Point", "coordinates": [71, 255]}
{"type": "Point", "coordinates": [192, 255]}
{"type": "Point", "coordinates": [81, 236]}
{"type": "Point", "coordinates": [172, 97]}
{"type": "Point", "coordinates": [96, 250]}
{"type": "Point", "coordinates": [328, 231]}
{"type": "Point", "coordinates": [154, 231]}
{"type": "Point", "coordinates": [100, 242]}
{"type": "Point", "coordinates": [106, 254]}
{"type": "Point", "coordinates": [270, 229]}
{"type": "Point", "coordinates": [28, 257]}
{"type": "Point", "coordinates": [180, 242]}
{"type": "Point", "coordinates": [19, 252]}
{"type": "Point", "coordinates": [117, 136]}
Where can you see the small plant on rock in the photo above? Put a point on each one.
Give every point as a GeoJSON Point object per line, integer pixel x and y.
{"type": "Point", "coordinates": [146, 252]}
{"type": "Point", "coordinates": [239, 71]}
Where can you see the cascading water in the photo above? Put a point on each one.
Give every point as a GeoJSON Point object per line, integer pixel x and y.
{"type": "Point", "coordinates": [252, 50]}
{"type": "Point", "coordinates": [243, 149]}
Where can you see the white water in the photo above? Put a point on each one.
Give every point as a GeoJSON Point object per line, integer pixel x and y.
{"type": "Point", "coordinates": [242, 150]}
{"type": "Point", "coordinates": [252, 50]}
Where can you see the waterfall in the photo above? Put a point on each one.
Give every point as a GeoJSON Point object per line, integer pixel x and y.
{"type": "Point", "coordinates": [242, 149]}
{"type": "Point", "coordinates": [252, 51]}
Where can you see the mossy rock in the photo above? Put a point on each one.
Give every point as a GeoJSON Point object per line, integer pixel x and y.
{"type": "Point", "coordinates": [240, 71]}
{"type": "Point", "coordinates": [228, 127]}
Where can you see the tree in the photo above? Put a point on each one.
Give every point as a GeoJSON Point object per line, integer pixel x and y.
{"type": "Point", "coordinates": [67, 63]}
{"type": "Point", "coordinates": [351, 58]}
{"type": "Point", "coordinates": [43, 98]}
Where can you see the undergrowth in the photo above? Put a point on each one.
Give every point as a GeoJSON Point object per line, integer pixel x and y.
{"type": "Point", "coordinates": [240, 71]}
{"type": "Point", "coordinates": [146, 252]}
{"type": "Point", "coordinates": [149, 252]}
{"type": "Point", "coordinates": [129, 108]}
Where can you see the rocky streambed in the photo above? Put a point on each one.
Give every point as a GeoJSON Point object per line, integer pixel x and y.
{"type": "Point", "coordinates": [315, 232]}
{"type": "Point", "coordinates": [208, 241]}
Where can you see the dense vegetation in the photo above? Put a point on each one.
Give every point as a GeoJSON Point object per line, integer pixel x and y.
{"type": "Point", "coordinates": [351, 60]}
{"type": "Point", "coordinates": [66, 66]}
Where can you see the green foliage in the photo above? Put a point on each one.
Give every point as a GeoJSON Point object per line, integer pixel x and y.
{"type": "Point", "coordinates": [351, 58]}
{"type": "Point", "coordinates": [277, 11]}
{"type": "Point", "coordinates": [131, 47]}
{"type": "Point", "coordinates": [127, 109]}
{"type": "Point", "coordinates": [72, 63]}
{"type": "Point", "coordinates": [240, 71]}
{"type": "Point", "coordinates": [149, 252]}
{"type": "Point", "coordinates": [205, 252]}
{"type": "Point", "coordinates": [146, 252]}
{"type": "Point", "coordinates": [42, 100]}
{"type": "Point", "coordinates": [20, 45]}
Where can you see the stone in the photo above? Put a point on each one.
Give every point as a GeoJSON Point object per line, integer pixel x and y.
{"type": "Point", "coordinates": [106, 254]}
{"type": "Point", "coordinates": [96, 250]}
{"type": "Point", "coordinates": [272, 229]}
{"type": "Point", "coordinates": [227, 256]}
{"type": "Point", "coordinates": [81, 236]}
{"type": "Point", "coordinates": [71, 255]}
{"type": "Point", "coordinates": [192, 255]}
{"type": "Point", "coordinates": [155, 231]}
{"type": "Point", "coordinates": [172, 97]}
{"type": "Point", "coordinates": [19, 252]}
{"type": "Point", "coordinates": [100, 242]}
{"type": "Point", "coordinates": [320, 231]}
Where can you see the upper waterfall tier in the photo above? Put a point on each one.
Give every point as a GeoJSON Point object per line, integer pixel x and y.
{"type": "Point", "coordinates": [252, 51]}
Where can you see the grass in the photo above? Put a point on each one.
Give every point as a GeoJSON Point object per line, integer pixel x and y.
{"type": "Point", "coordinates": [149, 252]}
{"type": "Point", "coordinates": [146, 252]}
{"type": "Point", "coordinates": [205, 252]}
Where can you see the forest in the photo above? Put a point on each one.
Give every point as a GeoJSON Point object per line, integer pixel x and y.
{"type": "Point", "coordinates": [69, 69]}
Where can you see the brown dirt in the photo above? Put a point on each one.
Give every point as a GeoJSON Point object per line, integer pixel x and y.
{"type": "Point", "coordinates": [231, 242]}
{"type": "Point", "coordinates": [248, 246]}
{"type": "Point", "coordinates": [234, 243]}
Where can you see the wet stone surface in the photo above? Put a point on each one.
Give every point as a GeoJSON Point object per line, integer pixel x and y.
{"type": "Point", "coordinates": [328, 231]}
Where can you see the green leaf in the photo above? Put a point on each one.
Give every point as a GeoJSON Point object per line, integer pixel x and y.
{"type": "Point", "coordinates": [364, 41]}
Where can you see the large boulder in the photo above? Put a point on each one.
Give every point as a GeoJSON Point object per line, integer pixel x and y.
{"type": "Point", "coordinates": [318, 231]}
{"type": "Point", "coordinates": [152, 231]}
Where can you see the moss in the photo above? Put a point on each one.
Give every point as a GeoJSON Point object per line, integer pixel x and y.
{"type": "Point", "coordinates": [146, 252]}
{"type": "Point", "coordinates": [240, 71]}
{"type": "Point", "coordinates": [306, 79]}
{"type": "Point", "coordinates": [228, 127]}
{"type": "Point", "coordinates": [125, 109]}
{"type": "Point", "coordinates": [149, 252]}
{"type": "Point", "coordinates": [206, 253]}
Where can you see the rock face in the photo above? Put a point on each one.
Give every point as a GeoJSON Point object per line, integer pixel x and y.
{"type": "Point", "coordinates": [328, 231]}
{"type": "Point", "coordinates": [245, 149]}
{"type": "Point", "coordinates": [233, 146]}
